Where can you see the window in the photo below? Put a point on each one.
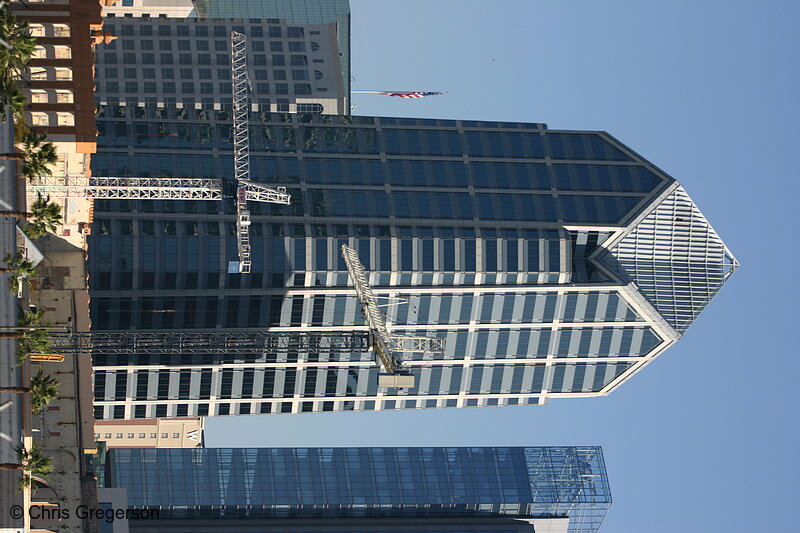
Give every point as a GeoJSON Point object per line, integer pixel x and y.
{"type": "Point", "coordinates": [165, 435]}
{"type": "Point", "coordinates": [61, 30]}
{"type": "Point", "coordinates": [108, 435]}
{"type": "Point", "coordinates": [297, 46]}
{"type": "Point", "coordinates": [39, 97]}
{"type": "Point", "coordinates": [276, 46]}
{"type": "Point", "coordinates": [39, 52]}
{"type": "Point", "coordinates": [279, 74]}
{"type": "Point", "coordinates": [176, 435]}
{"type": "Point", "coordinates": [63, 74]}
{"type": "Point", "coordinates": [302, 88]}
{"type": "Point", "coordinates": [187, 74]}
{"type": "Point", "coordinates": [37, 30]}
{"type": "Point", "coordinates": [275, 31]}
{"type": "Point", "coordinates": [39, 75]}
{"type": "Point", "coordinates": [66, 119]}
{"type": "Point", "coordinates": [119, 435]}
{"type": "Point", "coordinates": [130, 435]}
{"type": "Point", "coordinates": [299, 75]}
{"type": "Point", "coordinates": [295, 32]}
{"type": "Point", "coordinates": [63, 52]}
{"type": "Point", "coordinates": [314, 46]}
{"type": "Point", "coordinates": [202, 46]}
{"type": "Point", "coordinates": [153, 435]}
{"type": "Point", "coordinates": [278, 61]}
{"type": "Point", "coordinates": [299, 61]}
{"type": "Point", "coordinates": [40, 119]}
{"type": "Point", "coordinates": [64, 97]}
{"type": "Point", "coordinates": [184, 45]}
{"type": "Point", "coordinates": [97, 435]}
{"type": "Point", "coordinates": [317, 75]}
{"type": "Point", "coordinates": [165, 44]}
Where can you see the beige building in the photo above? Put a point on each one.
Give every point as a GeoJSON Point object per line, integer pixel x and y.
{"type": "Point", "coordinates": [151, 433]}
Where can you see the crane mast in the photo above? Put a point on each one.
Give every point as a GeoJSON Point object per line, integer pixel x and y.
{"type": "Point", "coordinates": [241, 151]}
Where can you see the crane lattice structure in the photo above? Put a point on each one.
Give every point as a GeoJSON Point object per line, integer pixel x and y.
{"type": "Point", "coordinates": [188, 188]}
{"type": "Point", "coordinates": [241, 149]}
{"type": "Point", "coordinates": [207, 342]}
{"type": "Point", "coordinates": [386, 345]}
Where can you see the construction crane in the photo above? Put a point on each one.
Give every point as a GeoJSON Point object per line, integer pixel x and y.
{"type": "Point", "coordinates": [387, 346]}
{"type": "Point", "coordinates": [241, 149]}
{"type": "Point", "coordinates": [189, 188]}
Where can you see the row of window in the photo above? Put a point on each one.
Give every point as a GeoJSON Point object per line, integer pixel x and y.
{"type": "Point", "coordinates": [201, 29]}
{"type": "Point", "coordinates": [202, 46]}
{"type": "Point", "coordinates": [141, 435]}
{"type": "Point", "coordinates": [187, 88]}
{"type": "Point", "coordinates": [133, 73]}
{"type": "Point", "coordinates": [137, 411]}
{"type": "Point", "coordinates": [148, 58]}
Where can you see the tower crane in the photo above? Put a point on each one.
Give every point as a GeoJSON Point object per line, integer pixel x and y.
{"type": "Point", "coordinates": [387, 346]}
{"type": "Point", "coordinates": [186, 188]}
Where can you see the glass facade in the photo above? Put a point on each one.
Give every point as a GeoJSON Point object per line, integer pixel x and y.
{"type": "Point", "coordinates": [498, 237]}
{"type": "Point", "coordinates": [188, 61]}
{"type": "Point", "coordinates": [295, 12]}
{"type": "Point", "coordinates": [342, 483]}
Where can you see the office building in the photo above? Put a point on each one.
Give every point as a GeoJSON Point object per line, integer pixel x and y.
{"type": "Point", "coordinates": [186, 62]}
{"type": "Point", "coordinates": [150, 433]}
{"type": "Point", "coordinates": [553, 263]}
{"type": "Point", "coordinates": [541, 489]}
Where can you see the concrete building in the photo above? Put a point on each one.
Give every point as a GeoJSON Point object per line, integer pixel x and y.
{"type": "Point", "coordinates": [367, 490]}
{"type": "Point", "coordinates": [151, 8]}
{"type": "Point", "coordinates": [553, 263]}
{"type": "Point", "coordinates": [151, 433]}
{"type": "Point", "coordinates": [292, 67]}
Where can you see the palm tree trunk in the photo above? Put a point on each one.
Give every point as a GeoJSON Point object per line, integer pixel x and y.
{"type": "Point", "coordinates": [18, 390]}
{"type": "Point", "coordinates": [10, 466]}
{"type": "Point", "coordinates": [18, 214]}
{"type": "Point", "coordinates": [13, 155]}
{"type": "Point", "coordinates": [10, 335]}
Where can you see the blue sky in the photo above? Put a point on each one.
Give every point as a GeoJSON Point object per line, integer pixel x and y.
{"type": "Point", "coordinates": [705, 438]}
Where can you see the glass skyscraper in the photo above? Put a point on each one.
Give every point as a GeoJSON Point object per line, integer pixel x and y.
{"type": "Point", "coordinates": [554, 263]}
{"type": "Point", "coordinates": [565, 488]}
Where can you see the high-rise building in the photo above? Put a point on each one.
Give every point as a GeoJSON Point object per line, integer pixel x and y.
{"type": "Point", "coordinates": [333, 14]}
{"type": "Point", "coordinates": [151, 433]}
{"type": "Point", "coordinates": [185, 62]}
{"type": "Point", "coordinates": [554, 263]}
{"type": "Point", "coordinates": [511, 489]}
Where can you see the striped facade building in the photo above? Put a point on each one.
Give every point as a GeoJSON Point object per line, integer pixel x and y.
{"type": "Point", "coordinates": [554, 263]}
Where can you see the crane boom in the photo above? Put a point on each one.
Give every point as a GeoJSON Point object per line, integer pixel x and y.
{"type": "Point", "coordinates": [385, 344]}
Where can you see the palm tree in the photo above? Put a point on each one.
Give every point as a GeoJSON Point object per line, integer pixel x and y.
{"type": "Point", "coordinates": [21, 271]}
{"type": "Point", "coordinates": [22, 45]}
{"type": "Point", "coordinates": [43, 390]}
{"type": "Point", "coordinates": [36, 157]}
{"type": "Point", "coordinates": [33, 341]}
{"type": "Point", "coordinates": [11, 97]}
{"type": "Point", "coordinates": [44, 217]}
{"type": "Point", "coordinates": [32, 462]}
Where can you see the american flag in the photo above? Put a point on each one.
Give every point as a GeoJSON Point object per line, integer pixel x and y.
{"type": "Point", "coordinates": [411, 94]}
